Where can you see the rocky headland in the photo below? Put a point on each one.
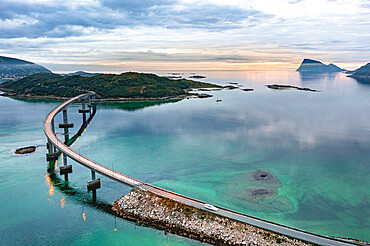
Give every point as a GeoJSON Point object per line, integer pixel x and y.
{"type": "Point", "coordinates": [361, 73]}
{"type": "Point", "coordinates": [150, 210]}
{"type": "Point", "coordinates": [313, 66]}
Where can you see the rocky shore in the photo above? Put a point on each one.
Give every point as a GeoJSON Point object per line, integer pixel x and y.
{"type": "Point", "coordinates": [150, 210]}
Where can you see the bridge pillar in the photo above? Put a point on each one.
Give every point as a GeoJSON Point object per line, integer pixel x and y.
{"type": "Point", "coordinates": [93, 185]}
{"type": "Point", "coordinates": [64, 170]}
{"type": "Point", "coordinates": [90, 105]}
{"type": "Point", "coordinates": [83, 111]}
{"type": "Point", "coordinates": [51, 156]}
{"type": "Point", "coordinates": [66, 126]}
{"type": "Point", "coordinates": [53, 128]}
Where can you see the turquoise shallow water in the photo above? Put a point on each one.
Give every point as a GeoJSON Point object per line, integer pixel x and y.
{"type": "Point", "coordinates": [315, 144]}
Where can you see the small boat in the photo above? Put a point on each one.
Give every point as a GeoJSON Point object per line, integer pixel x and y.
{"type": "Point", "coordinates": [218, 100]}
{"type": "Point", "coordinates": [210, 207]}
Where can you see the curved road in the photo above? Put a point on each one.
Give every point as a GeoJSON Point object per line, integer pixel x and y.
{"type": "Point", "coordinates": [289, 231]}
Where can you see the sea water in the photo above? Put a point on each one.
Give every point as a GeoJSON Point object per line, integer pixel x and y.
{"type": "Point", "coordinates": [315, 144]}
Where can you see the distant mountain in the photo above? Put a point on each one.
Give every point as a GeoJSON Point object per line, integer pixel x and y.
{"type": "Point", "coordinates": [83, 74]}
{"type": "Point", "coordinates": [362, 72]}
{"type": "Point", "coordinates": [313, 66]}
{"type": "Point", "coordinates": [334, 68]}
{"type": "Point", "coordinates": [11, 67]}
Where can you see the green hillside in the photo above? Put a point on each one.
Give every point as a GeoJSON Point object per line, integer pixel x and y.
{"type": "Point", "coordinates": [130, 84]}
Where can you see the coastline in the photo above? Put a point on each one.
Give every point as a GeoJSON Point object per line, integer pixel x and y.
{"type": "Point", "coordinates": [124, 99]}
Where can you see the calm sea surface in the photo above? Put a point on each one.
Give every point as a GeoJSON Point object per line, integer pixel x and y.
{"type": "Point", "coordinates": [316, 144]}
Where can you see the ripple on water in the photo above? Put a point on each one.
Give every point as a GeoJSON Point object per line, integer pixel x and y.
{"type": "Point", "coordinates": [254, 191]}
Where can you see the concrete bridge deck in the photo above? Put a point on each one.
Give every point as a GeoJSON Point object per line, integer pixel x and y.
{"type": "Point", "coordinates": [289, 231]}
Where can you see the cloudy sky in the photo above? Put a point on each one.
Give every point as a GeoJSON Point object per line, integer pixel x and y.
{"type": "Point", "coordinates": [144, 35]}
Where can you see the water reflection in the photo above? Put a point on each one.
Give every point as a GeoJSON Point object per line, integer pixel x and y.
{"type": "Point", "coordinates": [36, 100]}
{"type": "Point", "coordinates": [135, 105]}
{"type": "Point", "coordinates": [63, 202]}
{"type": "Point", "coordinates": [74, 195]}
{"type": "Point", "coordinates": [129, 106]}
{"type": "Point", "coordinates": [363, 81]}
{"type": "Point", "coordinates": [309, 77]}
{"type": "Point", "coordinates": [49, 184]}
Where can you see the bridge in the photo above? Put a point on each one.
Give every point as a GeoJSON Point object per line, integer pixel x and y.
{"type": "Point", "coordinates": [56, 147]}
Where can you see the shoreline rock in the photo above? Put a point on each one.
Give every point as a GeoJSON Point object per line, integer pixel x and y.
{"type": "Point", "coordinates": [147, 209]}
{"type": "Point", "coordinates": [25, 150]}
{"type": "Point", "coordinates": [230, 87]}
{"type": "Point", "coordinates": [286, 87]}
{"type": "Point", "coordinates": [197, 77]}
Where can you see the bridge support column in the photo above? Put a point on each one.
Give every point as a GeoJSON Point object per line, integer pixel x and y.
{"type": "Point", "coordinates": [90, 105]}
{"type": "Point", "coordinates": [53, 128]}
{"type": "Point", "coordinates": [66, 126]}
{"type": "Point", "coordinates": [65, 169]}
{"type": "Point", "coordinates": [65, 121]}
{"type": "Point", "coordinates": [51, 156]}
{"type": "Point", "coordinates": [83, 111]}
{"type": "Point", "coordinates": [93, 185]}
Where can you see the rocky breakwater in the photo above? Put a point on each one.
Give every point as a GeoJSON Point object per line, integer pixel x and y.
{"type": "Point", "coordinates": [148, 209]}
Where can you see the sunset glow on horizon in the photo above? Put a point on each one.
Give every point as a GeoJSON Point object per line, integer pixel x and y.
{"type": "Point", "coordinates": [67, 36]}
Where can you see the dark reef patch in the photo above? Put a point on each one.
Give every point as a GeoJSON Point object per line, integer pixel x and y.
{"type": "Point", "coordinates": [265, 177]}
{"type": "Point", "coordinates": [255, 190]}
{"type": "Point", "coordinates": [25, 150]}
{"type": "Point", "coordinates": [259, 193]}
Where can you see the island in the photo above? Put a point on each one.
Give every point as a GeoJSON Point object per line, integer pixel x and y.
{"type": "Point", "coordinates": [361, 73]}
{"type": "Point", "coordinates": [197, 77]}
{"type": "Point", "coordinates": [313, 66]}
{"type": "Point", "coordinates": [129, 86]}
{"type": "Point", "coordinates": [230, 87]}
{"type": "Point", "coordinates": [25, 150]}
{"type": "Point", "coordinates": [287, 87]}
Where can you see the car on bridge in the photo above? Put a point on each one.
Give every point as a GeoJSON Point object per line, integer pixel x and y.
{"type": "Point", "coordinates": [210, 207]}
